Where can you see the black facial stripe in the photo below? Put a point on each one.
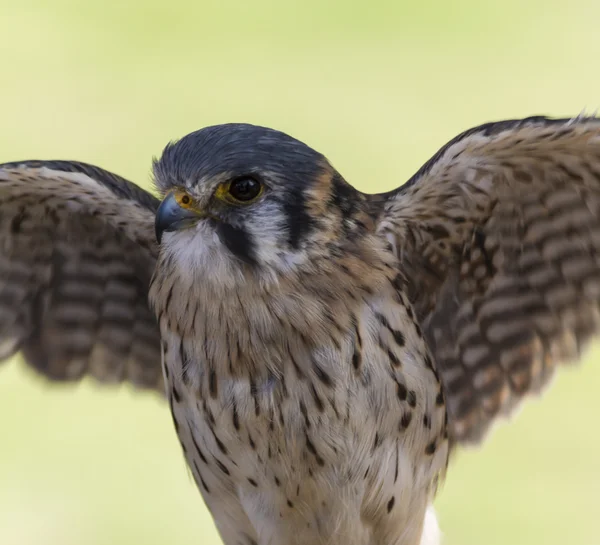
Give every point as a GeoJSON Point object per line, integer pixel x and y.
{"type": "Point", "coordinates": [299, 223]}
{"type": "Point", "coordinates": [238, 242]}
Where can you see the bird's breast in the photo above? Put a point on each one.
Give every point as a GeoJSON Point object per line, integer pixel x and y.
{"type": "Point", "coordinates": [285, 405]}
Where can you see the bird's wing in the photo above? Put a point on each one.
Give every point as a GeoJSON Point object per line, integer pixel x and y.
{"type": "Point", "coordinates": [77, 252]}
{"type": "Point", "coordinates": [498, 236]}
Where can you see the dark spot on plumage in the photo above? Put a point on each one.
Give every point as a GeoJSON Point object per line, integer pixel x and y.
{"type": "Point", "coordinates": [290, 504]}
{"type": "Point", "coordinates": [219, 443]}
{"type": "Point", "coordinates": [368, 290]}
{"type": "Point", "coordinates": [398, 337]}
{"type": "Point", "coordinates": [322, 375]}
{"type": "Point", "coordinates": [199, 450]}
{"type": "Point", "coordinates": [399, 283]}
{"type": "Point", "coordinates": [277, 481]}
{"type": "Point", "coordinates": [212, 383]}
{"type": "Point", "coordinates": [390, 504]}
{"type": "Point", "coordinates": [356, 358]}
{"type": "Point", "coordinates": [251, 442]}
{"type": "Point", "coordinates": [202, 482]}
{"type": "Point", "coordinates": [209, 415]}
{"type": "Point", "coordinates": [344, 268]}
{"type": "Point", "coordinates": [350, 294]}
{"type": "Point", "coordinates": [393, 359]}
{"type": "Point", "coordinates": [176, 394]}
{"type": "Point", "coordinates": [430, 448]}
{"type": "Point", "coordinates": [405, 420]}
{"type": "Point", "coordinates": [297, 490]}
{"type": "Point", "coordinates": [310, 473]}
{"type": "Point", "coordinates": [317, 398]}
{"type": "Point", "coordinates": [439, 399]}
{"type": "Point", "coordinates": [305, 414]}
{"type": "Point", "coordinates": [365, 378]}
{"type": "Point", "coordinates": [366, 472]}
{"type": "Point", "coordinates": [299, 372]}
{"type": "Point", "coordinates": [396, 462]}
{"type": "Point", "coordinates": [284, 390]}
{"type": "Point", "coordinates": [311, 448]}
{"type": "Point", "coordinates": [269, 451]}
{"type": "Point", "coordinates": [254, 394]}
{"type": "Point", "coordinates": [377, 440]}
{"type": "Point", "coordinates": [428, 362]}
{"type": "Point", "coordinates": [235, 417]}
{"type": "Point", "coordinates": [412, 398]}
{"type": "Point", "coordinates": [401, 391]}
{"type": "Point", "coordinates": [222, 466]}
{"type": "Point", "coordinates": [427, 421]}
{"type": "Point", "coordinates": [436, 231]}
{"type": "Point", "coordinates": [237, 241]}
{"type": "Point", "coordinates": [252, 482]}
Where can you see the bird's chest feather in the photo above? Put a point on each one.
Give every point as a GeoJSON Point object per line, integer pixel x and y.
{"type": "Point", "coordinates": [286, 423]}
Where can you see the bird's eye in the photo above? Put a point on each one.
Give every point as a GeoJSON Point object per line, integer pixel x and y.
{"type": "Point", "coordinates": [245, 190]}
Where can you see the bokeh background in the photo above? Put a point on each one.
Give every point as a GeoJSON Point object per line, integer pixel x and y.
{"type": "Point", "coordinates": [378, 89]}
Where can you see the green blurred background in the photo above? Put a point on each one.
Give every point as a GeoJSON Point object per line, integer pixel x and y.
{"type": "Point", "coordinates": [378, 89]}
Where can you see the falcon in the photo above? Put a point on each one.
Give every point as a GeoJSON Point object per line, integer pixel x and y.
{"type": "Point", "coordinates": [323, 350]}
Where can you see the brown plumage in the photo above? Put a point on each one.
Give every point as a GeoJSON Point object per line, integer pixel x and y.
{"type": "Point", "coordinates": [323, 349]}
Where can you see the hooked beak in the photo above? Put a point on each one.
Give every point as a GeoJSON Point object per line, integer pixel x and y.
{"type": "Point", "coordinates": [170, 216]}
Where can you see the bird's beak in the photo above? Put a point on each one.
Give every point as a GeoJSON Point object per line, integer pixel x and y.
{"type": "Point", "coordinates": [170, 216]}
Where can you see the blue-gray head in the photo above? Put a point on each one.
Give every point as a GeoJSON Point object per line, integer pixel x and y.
{"type": "Point", "coordinates": [256, 195]}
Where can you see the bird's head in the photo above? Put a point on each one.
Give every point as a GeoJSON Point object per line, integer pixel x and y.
{"type": "Point", "coordinates": [239, 197]}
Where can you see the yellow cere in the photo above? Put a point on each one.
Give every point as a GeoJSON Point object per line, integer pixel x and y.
{"type": "Point", "coordinates": [184, 200]}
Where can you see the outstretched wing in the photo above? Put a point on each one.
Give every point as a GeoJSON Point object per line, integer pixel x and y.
{"type": "Point", "coordinates": [77, 252]}
{"type": "Point", "coordinates": [499, 238]}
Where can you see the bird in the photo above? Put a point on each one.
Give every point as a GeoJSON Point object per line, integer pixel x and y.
{"type": "Point", "coordinates": [323, 351]}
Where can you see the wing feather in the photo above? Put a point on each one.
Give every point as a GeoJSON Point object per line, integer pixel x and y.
{"type": "Point", "coordinates": [499, 238]}
{"type": "Point", "coordinates": [77, 252]}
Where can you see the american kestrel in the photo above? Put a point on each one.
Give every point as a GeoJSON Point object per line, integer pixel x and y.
{"type": "Point", "coordinates": [323, 350]}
